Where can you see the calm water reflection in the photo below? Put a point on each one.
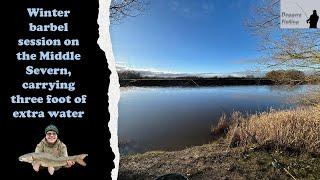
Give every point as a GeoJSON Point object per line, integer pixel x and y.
{"type": "Point", "coordinates": [175, 118]}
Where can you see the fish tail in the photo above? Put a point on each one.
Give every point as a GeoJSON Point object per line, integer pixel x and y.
{"type": "Point", "coordinates": [80, 159]}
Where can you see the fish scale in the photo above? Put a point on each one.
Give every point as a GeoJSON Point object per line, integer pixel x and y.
{"type": "Point", "coordinates": [50, 161]}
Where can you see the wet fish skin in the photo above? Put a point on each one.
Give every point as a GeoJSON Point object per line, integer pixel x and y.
{"type": "Point", "coordinates": [50, 161]}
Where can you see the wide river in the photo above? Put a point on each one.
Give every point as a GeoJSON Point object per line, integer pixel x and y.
{"type": "Point", "coordinates": [162, 118]}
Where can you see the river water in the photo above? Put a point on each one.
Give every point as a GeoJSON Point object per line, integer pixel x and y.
{"type": "Point", "coordinates": [162, 118]}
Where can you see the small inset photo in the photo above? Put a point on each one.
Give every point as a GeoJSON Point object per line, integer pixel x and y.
{"type": "Point", "coordinates": [299, 13]}
{"type": "Point", "coordinates": [51, 153]}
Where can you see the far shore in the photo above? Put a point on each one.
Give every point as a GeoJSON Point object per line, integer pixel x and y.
{"type": "Point", "coordinates": [197, 82]}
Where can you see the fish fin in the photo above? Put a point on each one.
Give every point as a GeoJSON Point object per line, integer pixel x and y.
{"type": "Point", "coordinates": [36, 166]}
{"type": "Point", "coordinates": [80, 159]}
{"type": "Point", "coordinates": [51, 170]}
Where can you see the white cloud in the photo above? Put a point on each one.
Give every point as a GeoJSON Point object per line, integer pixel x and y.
{"type": "Point", "coordinates": [153, 72]}
{"type": "Point", "coordinates": [149, 71]}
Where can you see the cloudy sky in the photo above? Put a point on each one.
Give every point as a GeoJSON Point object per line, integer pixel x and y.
{"type": "Point", "coordinates": [187, 37]}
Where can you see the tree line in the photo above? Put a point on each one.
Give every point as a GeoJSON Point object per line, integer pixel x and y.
{"type": "Point", "coordinates": [292, 77]}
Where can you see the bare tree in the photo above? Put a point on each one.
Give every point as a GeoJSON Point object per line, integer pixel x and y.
{"type": "Point", "coordinates": [289, 48]}
{"type": "Point", "coordinates": [129, 74]}
{"type": "Point", "coordinates": [121, 9]}
{"type": "Point", "coordinates": [289, 77]}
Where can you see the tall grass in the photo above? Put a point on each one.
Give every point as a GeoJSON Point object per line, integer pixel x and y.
{"type": "Point", "coordinates": [221, 128]}
{"type": "Point", "coordinates": [295, 128]}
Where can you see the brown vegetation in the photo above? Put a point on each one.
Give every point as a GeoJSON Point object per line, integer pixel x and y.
{"type": "Point", "coordinates": [297, 129]}
{"type": "Point", "coordinates": [221, 128]}
{"type": "Point", "coordinates": [287, 77]}
{"type": "Point", "coordinates": [216, 161]}
{"type": "Point", "coordinates": [252, 146]}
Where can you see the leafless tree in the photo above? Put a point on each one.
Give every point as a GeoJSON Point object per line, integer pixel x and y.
{"type": "Point", "coordinates": [129, 74]}
{"type": "Point", "coordinates": [286, 48]}
{"type": "Point", "coordinates": [121, 9]}
{"type": "Point", "coordinates": [289, 48]}
{"type": "Point", "coordinates": [289, 77]}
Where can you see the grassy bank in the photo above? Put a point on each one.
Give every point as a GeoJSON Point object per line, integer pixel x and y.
{"type": "Point", "coordinates": [297, 129]}
{"type": "Point", "coordinates": [217, 161]}
{"type": "Point", "coordinates": [270, 145]}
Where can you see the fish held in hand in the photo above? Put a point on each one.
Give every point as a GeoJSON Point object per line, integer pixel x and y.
{"type": "Point", "coordinates": [50, 161]}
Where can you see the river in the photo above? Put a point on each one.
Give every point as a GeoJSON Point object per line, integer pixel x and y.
{"type": "Point", "coordinates": [162, 118]}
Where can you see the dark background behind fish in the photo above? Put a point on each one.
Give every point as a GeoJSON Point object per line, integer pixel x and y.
{"type": "Point", "coordinates": [88, 135]}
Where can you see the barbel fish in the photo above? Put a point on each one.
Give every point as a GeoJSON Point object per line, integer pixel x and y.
{"type": "Point", "coordinates": [50, 161]}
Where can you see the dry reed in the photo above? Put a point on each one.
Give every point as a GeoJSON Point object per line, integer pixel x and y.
{"type": "Point", "coordinates": [295, 128]}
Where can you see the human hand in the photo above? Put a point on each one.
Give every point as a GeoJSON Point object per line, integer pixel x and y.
{"type": "Point", "coordinates": [70, 163]}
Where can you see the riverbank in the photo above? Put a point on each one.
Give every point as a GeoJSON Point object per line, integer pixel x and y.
{"type": "Point", "coordinates": [271, 145]}
{"type": "Point", "coordinates": [217, 161]}
{"type": "Point", "coordinates": [186, 82]}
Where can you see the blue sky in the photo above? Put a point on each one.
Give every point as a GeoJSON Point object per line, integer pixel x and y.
{"type": "Point", "coordinates": [187, 36]}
